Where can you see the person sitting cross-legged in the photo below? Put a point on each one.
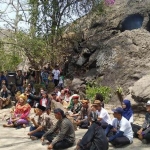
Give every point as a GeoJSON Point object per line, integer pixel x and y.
{"type": "Point", "coordinates": [94, 138]}
{"type": "Point", "coordinates": [103, 115]}
{"type": "Point", "coordinates": [120, 128]}
{"type": "Point", "coordinates": [143, 132]}
{"type": "Point", "coordinates": [42, 125]}
{"type": "Point", "coordinates": [127, 110]}
{"type": "Point", "coordinates": [83, 119]}
{"type": "Point", "coordinates": [66, 136]}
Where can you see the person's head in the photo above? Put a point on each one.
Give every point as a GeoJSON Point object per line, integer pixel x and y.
{"type": "Point", "coordinates": [85, 103]}
{"type": "Point", "coordinates": [94, 107]}
{"type": "Point", "coordinates": [99, 96]}
{"type": "Point", "coordinates": [4, 87]}
{"type": "Point", "coordinates": [59, 113]}
{"type": "Point", "coordinates": [39, 110]}
{"type": "Point", "coordinates": [126, 105]}
{"type": "Point", "coordinates": [22, 99]}
{"type": "Point", "coordinates": [41, 90]}
{"type": "Point", "coordinates": [19, 72]}
{"type": "Point", "coordinates": [118, 113]}
{"type": "Point", "coordinates": [98, 102]}
{"type": "Point", "coordinates": [75, 98]}
{"type": "Point", "coordinates": [54, 95]}
{"type": "Point", "coordinates": [62, 92]}
{"type": "Point", "coordinates": [148, 106]}
{"type": "Point", "coordinates": [44, 94]}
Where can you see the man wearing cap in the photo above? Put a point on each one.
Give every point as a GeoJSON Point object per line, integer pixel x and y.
{"type": "Point", "coordinates": [121, 129]}
{"type": "Point", "coordinates": [42, 125]}
{"type": "Point", "coordinates": [83, 119]}
{"type": "Point", "coordinates": [66, 136]}
{"type": "Point", "coordinates": [143, 132]}
{"type": "Point", "coordinates": [103, 115]}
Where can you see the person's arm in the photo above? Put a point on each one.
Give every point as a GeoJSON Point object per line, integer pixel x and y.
{"type": "Point", "coordinates": [39, 128]}
{"type": "Point", "coordinates": [36, 98]}
{"type": "Point", "coordinates": [118, 134]}
{"type": "Point", "coordinates": [62, 133]}
{"type": "Point", "coordinates": [109, 127]}
{"type": "Point", "coordinates": [53, 129]}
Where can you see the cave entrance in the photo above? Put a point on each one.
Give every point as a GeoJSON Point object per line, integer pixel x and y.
{"type": "Point", "coordinates": [131, 22]}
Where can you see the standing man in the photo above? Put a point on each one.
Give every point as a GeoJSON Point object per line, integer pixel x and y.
{"type": "Point", "coordinates": [66, 136]}
{"type": "Point", "coordinates": [19, 81]}
{"type": "Point", "coordinates": [120, 128]}
{"type": "Point", "coordinates": [2, 77]}
{"type": "Point", "coordinates": [56, 74]}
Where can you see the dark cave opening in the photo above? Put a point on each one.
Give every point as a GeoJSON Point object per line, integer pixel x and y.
{"type": "Point", "coordinates": [131, 22]}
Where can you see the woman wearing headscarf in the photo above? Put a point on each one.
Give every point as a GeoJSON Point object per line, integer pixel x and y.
{"type": "Point", "coordinates": [127, 110]}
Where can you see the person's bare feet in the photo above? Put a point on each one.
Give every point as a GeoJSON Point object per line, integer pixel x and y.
{"type": "Point", "coordinates": [5, 125]}
{"type": "Point", "coordinates": [24, 126]}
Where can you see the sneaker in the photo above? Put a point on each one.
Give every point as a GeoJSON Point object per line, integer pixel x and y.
{"type": "Point", "coordinates": [144, 141]}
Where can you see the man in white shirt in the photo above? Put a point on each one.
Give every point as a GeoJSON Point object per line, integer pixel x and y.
{"type": "Point", "coordinates": [103, 115]}
{"type": "Point", "coordinates": [56, 74]}
{"type": "Point", "coordinates": [121, 128]}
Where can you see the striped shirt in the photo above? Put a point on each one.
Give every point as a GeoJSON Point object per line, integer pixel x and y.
{"type": "Point", "coordinates": [66, 131]}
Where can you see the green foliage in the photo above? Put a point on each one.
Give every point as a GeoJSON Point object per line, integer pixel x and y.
{"type": "Point", "coordinates": [99, 8]}
{"type": "Point", "coordinates": [119, 90]}
{"type": "Point", "coordinates": [92, 90]}
{"type": "Point", "coordinates": [9, 61]}
{"type": "Point", "coordinates": [38, 86]}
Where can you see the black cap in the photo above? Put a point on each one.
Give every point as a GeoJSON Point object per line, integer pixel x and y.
{"type": "Point", "coordinates": [41, 107]}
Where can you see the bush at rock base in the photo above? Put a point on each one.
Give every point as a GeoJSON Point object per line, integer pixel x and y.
{"type": "Point", "coordinates": [92, 90]}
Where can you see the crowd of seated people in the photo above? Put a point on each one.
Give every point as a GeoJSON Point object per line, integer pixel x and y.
{"type": "Point", "coordinates": [73, 111]}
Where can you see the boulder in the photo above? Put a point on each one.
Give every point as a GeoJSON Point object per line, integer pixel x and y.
{"type": "Point", "coordinates": [141, 89]}
{"type": "Point", "coordinates": [76, 83]}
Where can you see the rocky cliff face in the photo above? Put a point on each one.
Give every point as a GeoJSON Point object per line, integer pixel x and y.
{"type": "Point", "coordinates": [115, 46]}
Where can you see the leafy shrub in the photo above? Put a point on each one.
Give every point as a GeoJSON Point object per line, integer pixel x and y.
{"type": "Point", "coordinates": [92, 90]}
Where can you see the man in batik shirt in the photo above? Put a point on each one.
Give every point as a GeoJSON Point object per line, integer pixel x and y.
{"type": "Point", "coordinates": [42, 125]}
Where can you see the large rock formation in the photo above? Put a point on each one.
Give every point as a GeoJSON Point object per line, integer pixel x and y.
{"type": "Point", "coordinates": [116, 45]}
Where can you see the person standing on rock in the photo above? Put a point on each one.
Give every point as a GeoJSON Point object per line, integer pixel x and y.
{"type": "Point", "coordinates": [120, 129]}
{"type": "Point", "coordinates": [65, 138]}
{"type": "Point", "coordinates": [143, 132]}
{"type": "Point", "coordinates": [56, 74]}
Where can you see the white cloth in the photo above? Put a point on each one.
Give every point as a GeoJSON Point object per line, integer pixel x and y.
{"type": "Point", "coordinates": [103, 114]}
{"type": "Point", "coordinates": [131, 119]}
{"type": "Point", "coordinates": [56, 74]}
{"type": "Point", "coordinates": [44, 102]}
{"type": "Point", "coordinates": [124, 126]}
{"type": "Point", "coordinates": [58, 93]}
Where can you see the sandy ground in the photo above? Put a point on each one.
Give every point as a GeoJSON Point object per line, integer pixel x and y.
{"type": "Point", "coordinates": [17, 139]}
